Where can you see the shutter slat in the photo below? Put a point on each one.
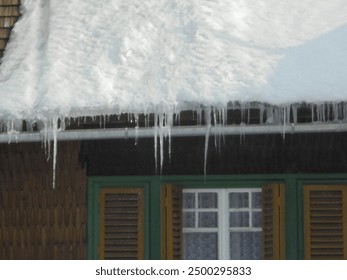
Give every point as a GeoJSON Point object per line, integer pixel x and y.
{"type": "Point", "coordinates": [325, 221]}
{"type": "Point", "coordinates": [121, 225]}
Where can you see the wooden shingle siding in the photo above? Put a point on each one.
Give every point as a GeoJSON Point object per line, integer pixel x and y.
{"type": "Point", "coordinates": [9, 14]}
{"type": "Point", "coordinates": [37, 221]}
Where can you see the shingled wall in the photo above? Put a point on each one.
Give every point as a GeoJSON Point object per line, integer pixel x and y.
{"type": "Point", "coordinates": [9, 13]}
{"type": "Point", "coordinates": [37, 221]}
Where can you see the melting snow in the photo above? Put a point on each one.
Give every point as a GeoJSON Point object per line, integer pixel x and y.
{"type": "Point", "coordinates": [86, 58]}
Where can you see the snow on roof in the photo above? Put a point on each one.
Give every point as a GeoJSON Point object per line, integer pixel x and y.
{"type": "Point", "coordinates": [86, 57]}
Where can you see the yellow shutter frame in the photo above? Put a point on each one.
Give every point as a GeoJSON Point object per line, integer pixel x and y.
{"type": "Point", "coordinates": [121, 227]}
{"type": "Point", "coordinates": [171, 222]}
{"type": "Point", "coordinates": [273, 222]}
{"type": "Point", "coordinates": [325, 222]}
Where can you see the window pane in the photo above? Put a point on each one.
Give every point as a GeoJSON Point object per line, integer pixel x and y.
{"type": "Point", "coordinates": [239, 219]}
{"type": "Point", "coordinates": [188, 200]}
{"type": "Point", "coordinates": [256, 200]}
{"type": "Point", "coordinates": [189, 219]}
{"type": "Point", "coordinates": [238, 200]}
{"type": "Point", "coordinates": [201, 246]}
{"type": "Point", "coordinates": [208, 219]}
{"type": "Point", "coordinates": [207, 200]}
{"type": "Point", "coordinates": [245, 245]}
{"type": "Point", "coordinates": [256, 219]}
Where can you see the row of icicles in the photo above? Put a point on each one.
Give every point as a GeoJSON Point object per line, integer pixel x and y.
{"type": "Point", "coordinates": [162, 123]}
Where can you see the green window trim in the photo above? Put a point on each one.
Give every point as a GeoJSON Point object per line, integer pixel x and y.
{"type": "Point", "coordinates": [294, 239]}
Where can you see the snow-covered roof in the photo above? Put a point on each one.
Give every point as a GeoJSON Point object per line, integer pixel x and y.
{"type": "Point", "coordinates": [86, 57]}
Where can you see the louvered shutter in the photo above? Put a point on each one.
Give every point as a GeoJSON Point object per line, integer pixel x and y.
{"type": "Point", "coordinates": [273, 241]}
{"type": "Point", "coordinates": [121, 224]}
{"type": "Point", "coordinates": [325, 222]}
{"type": "Point", "coordinates": [171, 222]}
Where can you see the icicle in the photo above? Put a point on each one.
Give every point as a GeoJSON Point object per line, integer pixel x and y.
{"type": "Point", "coordinates": [261, 113]}
{"type": "Point", "coordinates": [169, 135]}
{"type": "Point", "coordinates": [169, 125]}
{"type": "Point", "coordinates": [288, 110]}
{"type": "Point", "coordinates": [155, 129]}
{"type": "Point", "coordinates": [295, 113]}
{"type": "Point", "coordinates": [215, 117]}
{"type": "Point", "coordinates": [218, 122]}
{"type": "Point", "coordinates": [46, 140]}
{"type": "Point", "coordinates": [207, 136]}
{"type": "Point", "coordinates": [136, 129]}
{"type": "Point", "coordinates": [215, 123]}
{"type": "Point", "coordinates": [277, 115]}
{"type": "Point", "coordinates": [199, 116]}
{"type": "Point", "coordinates": [269, 115]}
{"type": "Point", "coordinates": [225, 121]}
{"type": "Point", "coordinates": [249, 114]}
{"type": "Point", "coordinates": [161, 140]}
{"type": "Point", "coordinates": [55, 149]}
{"type": "Point", "coordinates": [335, 111]}
{"type": "Point", "coordinates": [62, 125]}
{"type": "Point", "coordinates": [319, 113]}
{"type": "Point", "coordinates": [284, 123]}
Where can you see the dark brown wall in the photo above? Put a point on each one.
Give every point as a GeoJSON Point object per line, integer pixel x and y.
{"type": "Point", "coordinates": [37, 221]}
{"type": "Point", "coordinates": [299, 153]}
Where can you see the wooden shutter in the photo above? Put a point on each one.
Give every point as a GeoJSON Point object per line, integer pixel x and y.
{"type": "Point", "coordinates": [171, 222]}
{"type": "Point", "coordinates": [273, 222]}
{"type": "Point", "coordinates": [121, 224]}
{"type": "Point", "coordinates": [325, 222]}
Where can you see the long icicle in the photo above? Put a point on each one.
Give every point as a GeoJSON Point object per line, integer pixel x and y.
{"type": "Point", "coordinates": [161, 140]}
{"type": "Point", "coordinates": [55, 149]}
{"type": "Point", "coordinates": [156, 143]}
{"type": "Point", "coordinates": [207, 136]}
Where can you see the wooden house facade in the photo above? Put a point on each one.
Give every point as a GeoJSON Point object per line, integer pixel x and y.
{"type": "Point", "coordinates": [260, 196]}
{"type": "Point", "coordinates": [69, 222]}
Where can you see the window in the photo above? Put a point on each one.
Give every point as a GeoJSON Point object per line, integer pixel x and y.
{"type": "Point", "coordinates": [222, 223]}
{"type": "Point", "coordinates": [210, 223]}
{"type": "Point", "coordinates": [136, 218]}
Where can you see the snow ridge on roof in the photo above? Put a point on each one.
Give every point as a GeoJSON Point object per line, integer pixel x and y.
{"type": "Point", "coordinates": [87, 58]}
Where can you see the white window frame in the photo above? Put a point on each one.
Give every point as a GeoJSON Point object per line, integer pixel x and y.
{"type": "Point", "coordinates": [223, 229]}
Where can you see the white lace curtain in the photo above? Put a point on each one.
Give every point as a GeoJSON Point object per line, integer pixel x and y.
{"type": "Point", "coordinates": [201, 218]}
